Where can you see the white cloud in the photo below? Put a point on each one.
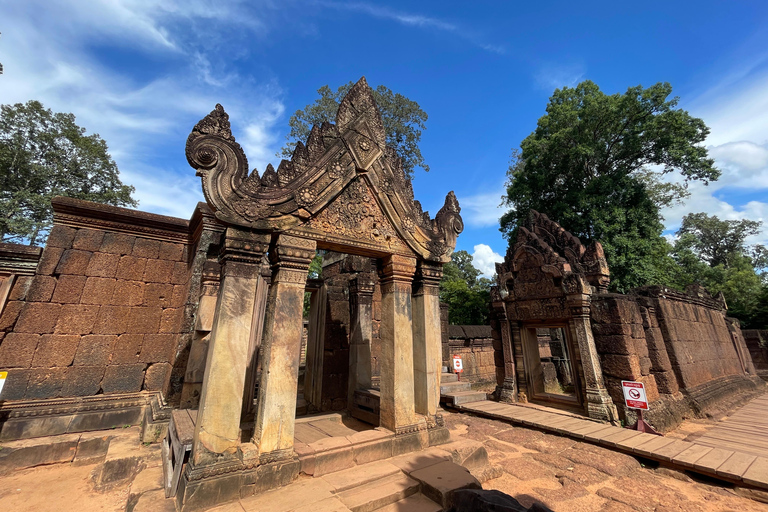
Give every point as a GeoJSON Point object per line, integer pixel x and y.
{"type": "Point", "coordinates": [554, 76]}
{"type": "Point", "coordinates": [482, 210]}
{"type": "Point", "coordinates": [484, 259]}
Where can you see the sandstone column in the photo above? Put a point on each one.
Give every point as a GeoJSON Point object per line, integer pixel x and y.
{"type": "Point", "coordinates": [506, 391]}
{"type": "Point", "coordinates": [254, 344]}
{"type": "Point", "coordinates": [427, 339]}
{"type": "Point", "coordinates": [396, 410]}
{"type": "Point", "coordinates": [361, 306]}
{"type": "Point", "coordinates": [281, 348]}
{"type": "Point", "coordinates": [599, 403]}
{"type": "Point", "coordinates": [217, 430]}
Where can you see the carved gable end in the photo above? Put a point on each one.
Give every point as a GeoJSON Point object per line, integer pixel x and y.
{"type": "Point", "coordinates": [354, 218]}
{"type": "Point", "coordinates": [344, 186]}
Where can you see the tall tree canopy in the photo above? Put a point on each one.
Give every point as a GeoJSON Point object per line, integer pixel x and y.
{"type": "Point", "coordinates": [714, 253]}
{"type": "Point", "coordinates": [44, 154]}
{"type": "Point", "coordinates": [594, 164]}
{"type": "Point", "coordinates": [467, 294]}
{"type": "Point", "coordinates": [403, 121]}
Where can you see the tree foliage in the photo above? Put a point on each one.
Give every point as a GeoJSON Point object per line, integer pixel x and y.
{"type": "Point", "coordinates": [466, 293]}
{"type": "Point", "coordinates": [594, 164]}
{"type": "Point", "coordinates": [403, 121]}
{"type": "Point", "coordinates": [713, 253]}
{"type": "Point", "coordinates": [44, 154]}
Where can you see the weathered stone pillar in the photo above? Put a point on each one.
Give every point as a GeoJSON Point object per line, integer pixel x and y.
{"type": "Point", "coordinates": [516, 334]}
{"type": "Point", "coordinates": [396, 410]}
{"type": "Point", "coordinates": [281, 348]}
{"type": "Point", "coordinates": [427, 342]}
{"type": "Point", "coordinates": [599, 403]}
{"type": "Point", "coordinates": [217, 431]}
{"type": "Point", "coordinates": [361, 326]}
{"type": "Point", "coordinates": [507, 391]}
{"type": "Point", "coordinates": [254, 344]}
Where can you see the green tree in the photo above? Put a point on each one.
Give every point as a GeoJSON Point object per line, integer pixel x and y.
{"type": "Point", "coordinates": [594, 164]}
{"type": "Point", "coordinates": [714, 253]}
{"type": "Point", "coordinates": [403, 121]}
{"type": "Point", "coordinates": [467, 294]}
{"type": "Point", "coordinates": [44, 154]}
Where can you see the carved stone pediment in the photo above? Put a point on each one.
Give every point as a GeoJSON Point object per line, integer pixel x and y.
{"type": "Point", "coordinates": [320, 192]}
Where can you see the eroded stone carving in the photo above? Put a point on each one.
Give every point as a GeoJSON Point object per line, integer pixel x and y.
{"type": "Point", "coordinates": [340, 163]}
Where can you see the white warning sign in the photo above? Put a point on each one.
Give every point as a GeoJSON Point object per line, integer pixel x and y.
{"type": "Point", "coordinates": [634, 394]}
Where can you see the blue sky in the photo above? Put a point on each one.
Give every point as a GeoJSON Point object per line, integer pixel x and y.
{"type": "Point", "coordinates": [141, 73]}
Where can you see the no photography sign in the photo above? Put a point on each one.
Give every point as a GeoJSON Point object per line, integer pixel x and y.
{"type": "Point", "coordinates": [634, 395]}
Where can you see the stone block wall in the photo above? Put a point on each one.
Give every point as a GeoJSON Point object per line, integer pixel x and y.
{"type": "Point", "coordinates": [757, 343]}
{"type": "Point", "coordinates": [474, 343]}
{"type": "Point", "coordinates": [104, 309]}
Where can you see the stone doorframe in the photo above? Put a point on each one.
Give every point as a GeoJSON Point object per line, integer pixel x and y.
{"type": "Point", "coordinates": [343, 191]}
{"type": "Point", "coordinates": [548, 276]}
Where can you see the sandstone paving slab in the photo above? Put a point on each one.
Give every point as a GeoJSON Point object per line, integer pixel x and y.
{"type": "Point", "coordinates": [299, 493]}
{"type": "Point", "coordinates": [736, 465]}
{"type": "Point", "coordinates": [440, 480]}
{"type": "Point", "coordinates": [689, 456]}
{"type": "Point", "coordinates": [327, 505]}
{"type": "Point", "coordinates": [358, 475]}
{"type": "Point", "coordinates": [410, 462]}
{"type": "Point", "coordinates": [712, 460]}
{"type": "Point", "coordinates": [305, 433]}
{"type": "Point", "coordinates": [332, 428]}
{"type": "Point", "coordinates": [154, 501]}
{"type": "Point", "coordinates": [757, 473]}
{"type": "Point", "coordinates": [415, 503]}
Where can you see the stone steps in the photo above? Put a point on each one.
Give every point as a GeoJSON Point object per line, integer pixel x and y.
{"type": "Point", "coordinates": [415, 503]}
{"type": "Point", "coordinates": [446, 377]}
{"type": "Point", "coordinates": [454, 392]}
{"type": "Point", "coordinates": [454, 387]}
{"type": "Point", "coordinates": [463, 397]}
{"type": "Point", "coordinates": [379, 493]}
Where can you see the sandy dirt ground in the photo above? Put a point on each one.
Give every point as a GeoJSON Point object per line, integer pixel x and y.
{"type": "Point", "coordinates": [564, 475]}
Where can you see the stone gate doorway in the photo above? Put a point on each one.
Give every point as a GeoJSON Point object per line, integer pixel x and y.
{"type": "Point", "coordinates": [343, 191]}
{"type": "Point", "coordinates": [550, 372]}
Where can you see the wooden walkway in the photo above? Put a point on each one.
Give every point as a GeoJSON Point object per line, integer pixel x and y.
{"type": "Point", "coordinates": [744, 431]}
{"type": "Point", "coordinates": [747, 468]}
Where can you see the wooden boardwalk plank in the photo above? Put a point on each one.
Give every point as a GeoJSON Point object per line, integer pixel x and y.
{"type": "Point", "coordinates": [736, 465]}
{"type": "Point", "coordinates": [689, 457]}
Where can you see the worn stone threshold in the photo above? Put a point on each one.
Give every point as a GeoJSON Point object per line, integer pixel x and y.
{"type": "Point", "coordinates": [736, 467]}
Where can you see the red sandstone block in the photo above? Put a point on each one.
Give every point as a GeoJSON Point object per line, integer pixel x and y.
{"type": "Point", "coordinates": [83, 381]}
{"type": "Point", "coordinates": [73, 262]}
{"type": "Point", "coordinates": [49, 260]}
{"type": "Point", "coordinates": [144, 248]}
{"type": "Point", "coordinates": [95, 350]}
{"type": "Point", "coordinates": [111, 320]}
{"type": "Point", "coordinates": [55, 350]}
{"type": "Point", "coordinates": [128, 293]}
{"type": "Point", "coordinates": [38, 317]}
{"type": "Point", "coordinates": [103, 265]}
{"type": "Point", "coordinates": [179, 297]}
{"type": "Point", "coordinates": [614, 344]}
{"type": "Point", "coordinates": [158, 271]}
{"type": "Point", "coordinates": [170, 321]}
{"type": "Point", "coordinates": [98, 290]}
{"type": "Point", "coordinates": [88, 239]}
{"type": "Point", "coordinates": [61, 236]}
{"type": "Point", "coordinates": [180, 273]}
{"type": "Point", "coordinates": [41, 289]}
{"type": "Point", "coordinates": [46, 382]}
{"type": "Point", "coordinates": [10, 315]}
{"type": "Point", "coordinates": [622, 367]}
{"type": "Point", "coordinates": [127, 349]}
{"type": "Point", "coordinates": [124, 378]}
{"type": "Point", "coordinates": [158, 348]}
{"type": "Point", "coordinates": [131, 268]}
{"type": "Point", "coordinates": [158, 294]}
{"type": "Point", "coordinates": [77, 318]}
{"type": "Point", "coordinates": [16, 384]}
{"type": "Point", "coordinates": [69, 289]}
{"type": "Point", "coordinates": [117, 243]}
{"type": "Point", "coordinates": [169, 251]}
{"type": "Point", "coordinates": [17, 350]}
{"type": "Point", "coordinates": [142, 320]}
{"type": "Point", "coordinates": [157, 377]}
{"type": "Point", "coordinates": [21, 287]}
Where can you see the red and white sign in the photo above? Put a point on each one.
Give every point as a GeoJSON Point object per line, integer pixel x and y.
{"type": "Point", "coordinates": [634, 395]}
{"type": "Point", "coordinates": [458, 365]}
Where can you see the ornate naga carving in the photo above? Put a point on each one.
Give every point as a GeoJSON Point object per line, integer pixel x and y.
{"type": "Point", "coordinates": [546, 261]}
{"type": "Point", "coordinates": [323, 183]}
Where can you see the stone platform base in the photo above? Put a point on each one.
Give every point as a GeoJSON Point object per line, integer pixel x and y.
{"type": "Point", "coordinates": [204, 487]}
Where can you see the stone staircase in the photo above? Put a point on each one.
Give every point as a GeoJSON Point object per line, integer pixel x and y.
{"type": "Point", "coordinates": [454, 392]}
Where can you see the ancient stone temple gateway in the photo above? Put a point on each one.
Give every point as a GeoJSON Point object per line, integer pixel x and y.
{"type": "Point", "coordinates": [564, 341]}
{"type": "Point", "coordinates": [127, 314]}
